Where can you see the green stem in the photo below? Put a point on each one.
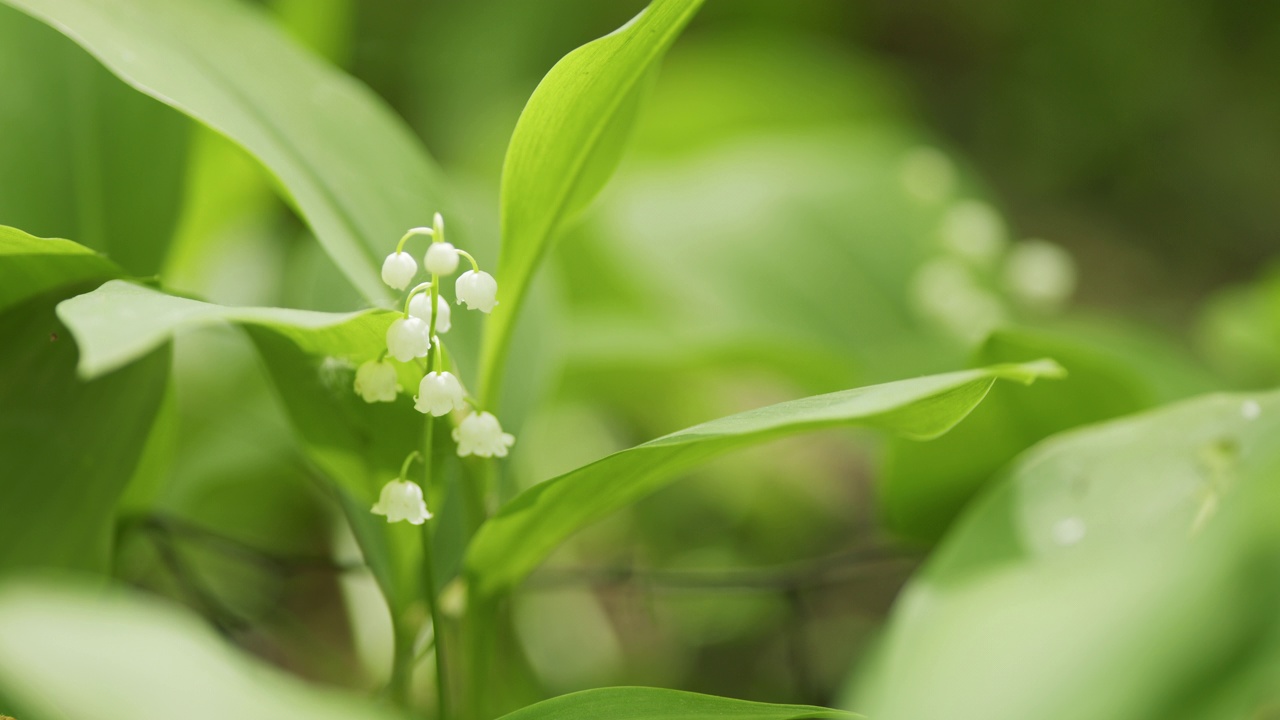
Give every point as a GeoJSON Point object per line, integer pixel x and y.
{"type": "Point", "coordinates": [401, 667]}
{"type": "Point", "coordinates": [411, 233]}
{"type": "Point", "coordinates": [474, 265]}
{"type": "Point", "coordinates": [428, 572]}
{"type": "Point", "coordinates": [417, 289]}
{"type": "Point", "coordinates": [404, 467]}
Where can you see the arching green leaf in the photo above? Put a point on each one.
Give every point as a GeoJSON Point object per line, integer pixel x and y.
{"type": "Point", "coordinates": [642, 703]}
{"type": "Point", "coordinates": [527, 529]}
{"type": "Point", "coordinates": [564, 148]}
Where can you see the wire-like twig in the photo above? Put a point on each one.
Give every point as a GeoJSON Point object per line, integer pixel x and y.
{"type": "Point", "coordinates": [831, 570]}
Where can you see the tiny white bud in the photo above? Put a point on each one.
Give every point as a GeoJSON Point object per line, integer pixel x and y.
{"type": "Point", "coordinates": [480, 434]}
{"type": "Point", "coordinates": [441, 259]}
{"type": "Point", "coordinates": [376, 381]}
{"type": "Point", "coordinates": [398, 270]}
{"type": "Point", "coordinates": [420, 305]}
{"type": "Point", "coordinates": [440, 393]}
{"type": "Point", "coordinates": [478, 290]}
{"type": "Point", "coordinates": [402, 500]}
{"type": "Point", "coordinates": [407, 339]}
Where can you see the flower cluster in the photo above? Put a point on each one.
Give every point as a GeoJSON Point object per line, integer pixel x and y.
{"type": "Point", "coordinates": [413, 337]}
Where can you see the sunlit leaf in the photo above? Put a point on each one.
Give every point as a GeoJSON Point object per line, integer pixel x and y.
{"type": "Point", "coordinates": [528, 528]}
{"type": "Point", "coordinates": [1111, 569]}
{"type": "Point", "coordinates": [641, 703]}
{"type": "Point", "coordinates": [355, 172]}
{"type": "Point", "coordinates": [564, 148]}
{"type": "Point", "coordinates": [67, 651]}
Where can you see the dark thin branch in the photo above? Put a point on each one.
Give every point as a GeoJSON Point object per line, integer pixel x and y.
{"type": "Point", "coordinates": [831, 570]}
{"type": "Point", "coordinates": [281, 563]}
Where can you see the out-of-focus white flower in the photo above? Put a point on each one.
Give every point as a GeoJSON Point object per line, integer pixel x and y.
{"type": "Point", "coordinates": [398, 270]}
{"type": "Point", "coordinates": [402, 500]}
{"type": "Point", "coordinates": [441, 259]}
{"type": "Point", "coordinates": [478, 290]}
{"type": "Point", "coordinates": [407, 339]}
{"type": "Point", "coordinates": [376, 381]}
{"type": "Point", "coordinates": [927, 174]}
{"type": "Point", "coordinates": [480, 434]}
{"type": "Point", "coordinates": [945, 291]}
{"type": "Point", "coordinates": [974, 231]}
{"type": "Point", "coordinates": [420, 307]}
{"type": "Point", "coordinates": [440, 393]}
{"type": "Point", "coordinates": [1040, 275]}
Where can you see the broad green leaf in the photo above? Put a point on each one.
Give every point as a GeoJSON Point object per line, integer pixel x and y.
{"type": "Point", "coordinates": [528, 528]}
{"type": "Point", "coordinates": [565, 146]}
{"type": "Point", "coordinates": [30, 265]}
{"type": "Point", "coordinates": [68, 446]}
{"type": "Point", "coordinates": [354, 171]}
{"type": "Point", "coordinates": [643, 703]}
{"type": "Point", "coordinates": [1133, 562]}
{"type": "Point", "coordinates": [68, 651]}
{"type": "Point", "coordinates": [65, 464]}
{"type": "Point", "coordinates": [311, 357]}
{"type": "Point", "coordinates": [84, 155]}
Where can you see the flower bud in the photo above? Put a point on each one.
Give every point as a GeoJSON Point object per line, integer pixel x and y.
{"type": "Point", "coordinates": [420, 305]}
{"type": "Point", "coordinates": [478, 290]}
{"type": "Point", "coordinates": [480, 434]}
{"type": "Point", "coordinates": [441, 259]}
{"type": "Point", "coordinates": [440, 393]}
{"type": "Point", "coordinates": [402, 500]}
{"type": "Point", "coordinates": [407, 339]}
{"type": "Point", "coordinates": [398, 270]}
{"type": "Point", "coordinates": [376, 381]}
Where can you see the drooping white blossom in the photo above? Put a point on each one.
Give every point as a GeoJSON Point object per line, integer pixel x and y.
{"type": "Point", "coordinates": [402, 500]}
{"type": "Point", "coordinates": [420, 307]}
{"type": "Point", "coordinates": [439, 394]}
{"type": "Point", "coordinates": [480, 434]}
{"type": "Point", "coordinates": [441, 259]}
{"type": "Point", "coordinates": [478, 290]}
{"type": "Point", "coordinates": [376, 381]}
{"type": "Point", "coordinates": [407, 339]}
{"type": "Point", "coordinates": [398, 270]}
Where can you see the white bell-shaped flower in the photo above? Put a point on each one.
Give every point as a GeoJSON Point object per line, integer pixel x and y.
{"type": "Point", "coordinates": [440, 393]}
{"type": "Point", "coordinates": [478, 290]}
{"type": "Point", "coordinates": [402, 500]}
{"type": "Point", "coordinates": [420, 307]}
{"type": "Point", "coordinates": [407, 339]}
{"type": "Point", "coordinates": [398, 270]}
{"type": "Point", "coordinates": [480, 434]}
{"type": "Point", "coordinates": [376, 381]}
{"type": "Point", "coordinates": [441, 259]}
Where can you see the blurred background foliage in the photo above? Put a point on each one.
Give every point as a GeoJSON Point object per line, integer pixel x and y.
{"type": "Point", "coordinates": [819, 195]}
